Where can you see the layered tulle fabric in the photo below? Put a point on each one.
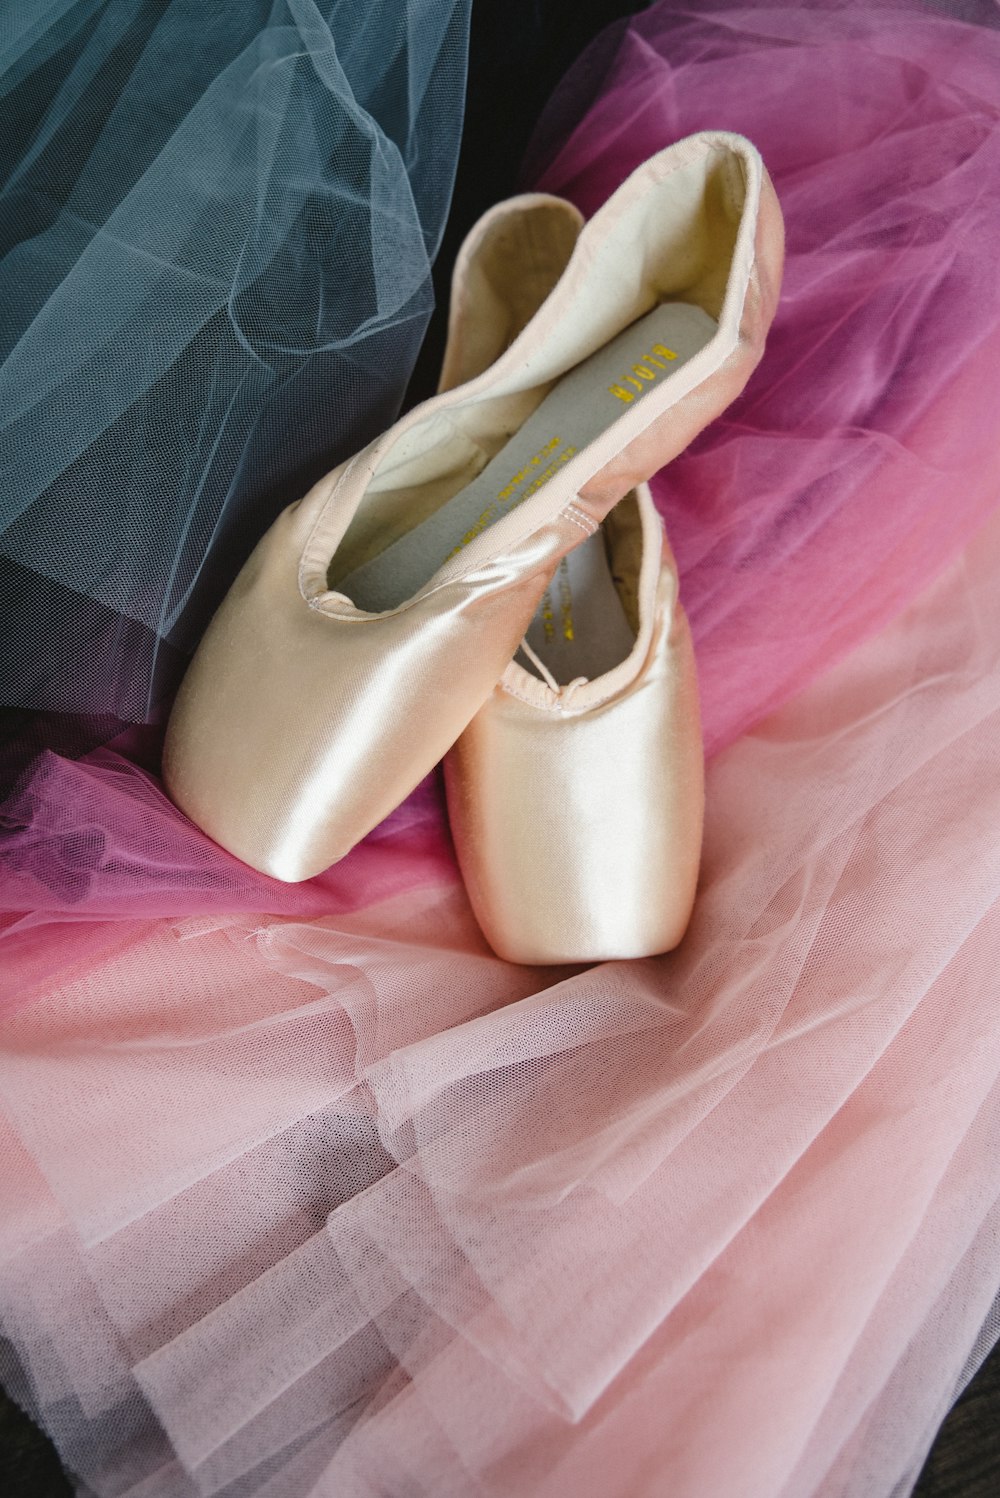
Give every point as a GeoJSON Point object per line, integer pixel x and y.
{"type": "Point", "coordinates": [805, 516]}
{"type": "Point", "coordinates": [309, 1194]}
{"type": "Point", "coordinates": [218, 229]}
{"type": "Point", "coordinates": [346, 1205]}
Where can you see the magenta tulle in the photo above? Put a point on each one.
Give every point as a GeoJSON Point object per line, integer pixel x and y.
{"type": "Point", "coordinates": [812, 509]}
{"type": "Point", "coordinates": [308, 1195]}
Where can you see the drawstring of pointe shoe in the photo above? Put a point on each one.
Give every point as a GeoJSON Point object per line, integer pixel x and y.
{"type": "Point", "coordinates": [564, 693]}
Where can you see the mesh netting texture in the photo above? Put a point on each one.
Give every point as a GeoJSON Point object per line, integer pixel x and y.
{"type": "Point", "coordinates": [219, 224]}
{"type": "Point", "coordinates": [311, 1196]}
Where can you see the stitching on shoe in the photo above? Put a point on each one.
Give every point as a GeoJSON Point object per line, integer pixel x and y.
{"type": "Point", "coordinates": [512, 692]}
{"type": "Point", "coordinates": [580, 519]}
{"type": "Point", "coordinates": [556, 706]}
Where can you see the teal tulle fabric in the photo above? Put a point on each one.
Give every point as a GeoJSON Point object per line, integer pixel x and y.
{"type": "Point", "coordinates": [217, 226]}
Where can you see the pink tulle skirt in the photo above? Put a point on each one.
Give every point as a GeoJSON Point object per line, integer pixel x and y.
{"type": "Point", "coordinates": [307, 1195]}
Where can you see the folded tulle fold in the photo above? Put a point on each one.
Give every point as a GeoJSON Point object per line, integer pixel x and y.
{"type": "Point", "coordinates": [398, 1425]}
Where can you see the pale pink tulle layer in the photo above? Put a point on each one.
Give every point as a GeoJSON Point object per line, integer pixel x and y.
{"type": "Point", "coordinates": [308, 1194]}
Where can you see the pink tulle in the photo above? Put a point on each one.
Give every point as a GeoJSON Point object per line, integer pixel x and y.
{"type": "Point", "coordinates": [96, 841]}
{"type": "Point", "coordinates": [351, 1202]}
{"type": "Point", "coordinates": [310, 1196]}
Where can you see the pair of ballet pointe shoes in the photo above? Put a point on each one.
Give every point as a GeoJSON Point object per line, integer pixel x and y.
{"type": "Point", "coordinates": [489, 582]}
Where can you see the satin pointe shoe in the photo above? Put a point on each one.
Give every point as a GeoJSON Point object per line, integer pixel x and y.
{"type": "Point", "coordinates": [377, 614]}
{"type": "Point", "coordinates": [576, 794]}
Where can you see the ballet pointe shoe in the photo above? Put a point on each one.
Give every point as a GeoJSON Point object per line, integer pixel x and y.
{"type": "Point", "coordinates": [377, 614]}
{"type": "Point", "coordinates": [576, 794]}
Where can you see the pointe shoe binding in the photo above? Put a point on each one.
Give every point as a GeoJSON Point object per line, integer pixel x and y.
{"type": "Point", "coordinates": [378, 613]}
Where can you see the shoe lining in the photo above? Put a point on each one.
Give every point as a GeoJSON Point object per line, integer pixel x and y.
{"type": "Point", "coordinates": [580, 629]}
{"type": "Point", "coordinates": [579, 407]}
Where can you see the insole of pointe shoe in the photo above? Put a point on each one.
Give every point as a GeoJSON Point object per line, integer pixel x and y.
{"type": "Point", "coordinates": [578, 408]}
{"type": "Point", "coordinates": [580, 627]}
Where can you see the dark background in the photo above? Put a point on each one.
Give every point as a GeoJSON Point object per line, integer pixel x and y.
{"type": "Point", "coordinates": [519, 49]}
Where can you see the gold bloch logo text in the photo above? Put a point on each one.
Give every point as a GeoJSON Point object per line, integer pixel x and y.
{"type": "Point", "coordinates": [645, 373]}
